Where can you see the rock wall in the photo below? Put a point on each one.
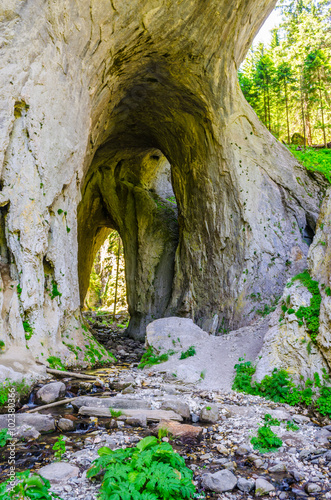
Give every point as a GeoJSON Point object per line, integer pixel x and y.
{"type": "Point", "coordinates": [320, 268]}
{"type": "Point", "coordinates": [96, 97]}
{"type": "Point", "coordinates": [288, 343]}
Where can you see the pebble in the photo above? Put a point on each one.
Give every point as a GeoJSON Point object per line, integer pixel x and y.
{"type": "Point", "coordinates": [262, 487]}
{"type": "Point", "coordinates": [312, 488]}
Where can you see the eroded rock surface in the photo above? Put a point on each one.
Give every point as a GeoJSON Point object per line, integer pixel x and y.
{"type": "Point", "coordinates": [99, 100]}
{"type": "Point", "coordinates": [287, 343]}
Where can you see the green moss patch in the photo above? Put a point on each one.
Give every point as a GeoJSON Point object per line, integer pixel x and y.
{"type": "Point", "coordinates": [55, 363]}
{"type": "Point", "coordinates": [309, 313]}
{"type": "Point", "coordinates": [28, 330]}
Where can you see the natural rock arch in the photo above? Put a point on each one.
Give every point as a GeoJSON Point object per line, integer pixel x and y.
{"type": "Point", "coordinates": [90, 92]}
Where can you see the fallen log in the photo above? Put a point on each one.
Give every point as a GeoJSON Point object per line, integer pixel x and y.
{"type": "Point", "coordinates": [63, 401]}
{"type": "Point", "coordinates": [321, 146]}
{"type": "Point", "coordinates": [51, 405]}
{"type": "Point", "coordinates": [63, 373]}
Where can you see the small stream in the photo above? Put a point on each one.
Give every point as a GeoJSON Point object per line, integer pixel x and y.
{"type": "Point", "coordinates": [33, 454]}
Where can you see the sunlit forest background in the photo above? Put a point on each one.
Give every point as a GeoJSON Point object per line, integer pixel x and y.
{"type": "Point", "coordinates": [288, 83]}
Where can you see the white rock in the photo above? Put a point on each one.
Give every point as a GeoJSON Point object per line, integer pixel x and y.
{"type": "Point", "coordinates": [66, 425]}
{"type": "Point", "coordinates": [262, 487]}
{"type": "Point", "coordinates": [51, 392]}
{"type": "Point", "coordinates": [223, 480]}
{"type": "Point", "coordinates": [42, 423]}
{"type": "Point", "coordinates": [59, 472]}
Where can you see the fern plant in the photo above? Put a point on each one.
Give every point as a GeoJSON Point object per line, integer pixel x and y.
{"type": "Point", "coordinates": [149, 471]}
{"type": "Point", "coordinates": [266, 439]}
{"type": "Point", "coordinates": [27, 487]}
{"type": "Point", "coordinates": [59, 448]}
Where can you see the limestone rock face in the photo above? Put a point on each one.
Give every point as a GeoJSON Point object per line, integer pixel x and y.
{"type": "Point", "coordinates": [128, 115]}
{"type": "Point", "coordinates": [288, 344]}
{"type": "Point", "coordinates": [320, 268]}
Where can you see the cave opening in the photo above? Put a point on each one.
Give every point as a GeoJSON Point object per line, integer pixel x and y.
{"type": "Point", "coordinates": [142, 180]}
{"type": "Point", "coordinates": [107, 287]}
{"type": "Point", "coordinates": [128, 196]}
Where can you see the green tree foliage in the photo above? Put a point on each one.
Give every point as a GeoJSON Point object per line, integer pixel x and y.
{"type": "Point", "coordinates": [107, 278]}
{"type": "Point", "coordinates": [288, 83]}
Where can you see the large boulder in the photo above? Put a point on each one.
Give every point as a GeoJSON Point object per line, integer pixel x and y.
{"type": "Point", "coordinates": [41, 423]}
{"type": "Point", "coordinates": [51, 392]}
{"type": "Point", "coordinates": [212, 365]}
{"type": "Point", "coordinates": [59, 472]}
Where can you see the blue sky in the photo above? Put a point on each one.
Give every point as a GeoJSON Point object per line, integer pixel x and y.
{"type": "Point", "coordinates": [264, 35]}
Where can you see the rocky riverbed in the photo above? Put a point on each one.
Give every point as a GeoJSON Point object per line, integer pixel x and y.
{"type": "Point", "coordinates": [211, 429]}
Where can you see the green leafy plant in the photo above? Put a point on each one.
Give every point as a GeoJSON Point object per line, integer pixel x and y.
{"type": "Point", "coordinates": [266, 440]}
{"type": "Point", "coordinates": [149, 471]}
{"type": "Point", "coordinates": [59, 447]}
{"type": "Point", "coordinates": [150, 357]}
{"type": "Point", "coordinates": [2, 345]}
{"type": "Point", "coordinates": [271, 421]}
{"type": "Point", "coordinates": [55, 292]}
{"type": "Point", "coordinates": [21, 390]}
{"type": "Point", "coordinates": [115, 413]}
{"type": "Point", "coordinates": [323, 402]}
{"type": "Point", "coordinates": [28, 330]}
{"type": "Point", "coordinates": [291, 426]}
{"type": "Point", "coordinates": [55, 363]}
{"type": "Point", "coordinates": [309, 313]}
{"type": "Point", "coordinates": [19, 290]}
{"type": "Point", "coordinates": [208, 408]}
{"type": "Point", "coordinates": [203, 374]}
{"type": "Point", "coordinates": [279, 387]}
{"type": "Point", "coordinates": [4, 437]}
{"type": "Point", "coordinates": [187, 354]}
{"type": "Point", "coordinates": [28, 487]}
{"type": "Point", "coordinates": [243, 377]}
{"type": "Point", "coordinates": [162, 433]}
